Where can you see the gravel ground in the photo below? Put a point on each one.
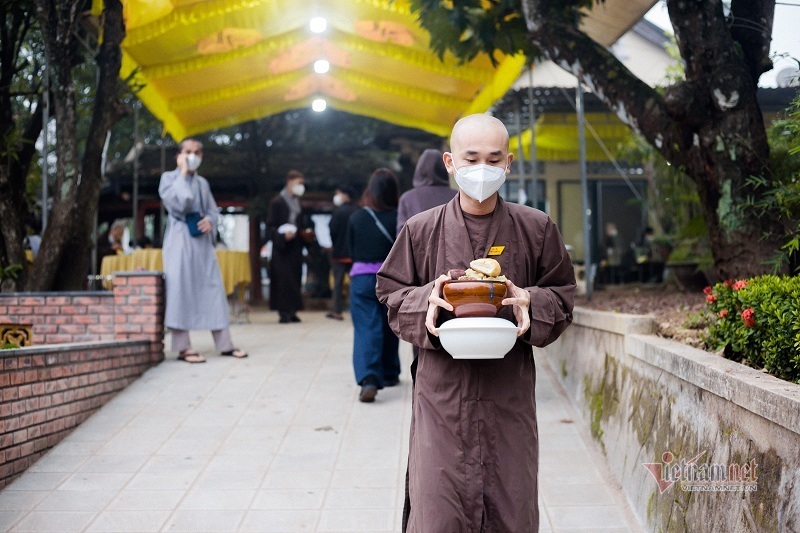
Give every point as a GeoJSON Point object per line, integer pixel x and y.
{"type": "Point", "coordinates": [679, 314]}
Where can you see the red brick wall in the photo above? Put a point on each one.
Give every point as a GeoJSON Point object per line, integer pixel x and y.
{"type": "Point", "coordinates": [88, 346]}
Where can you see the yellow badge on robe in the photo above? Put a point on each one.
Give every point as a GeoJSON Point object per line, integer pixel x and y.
{"type": "Point", "coordinates": [496, 250]}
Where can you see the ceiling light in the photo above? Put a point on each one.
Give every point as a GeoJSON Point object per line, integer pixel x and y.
{"type": "Point", "coordinates": [319, 105]}
{"type": "Point", "coordinates": [318, 24]}
{"type": "Point", "coordinates": [321, 66]}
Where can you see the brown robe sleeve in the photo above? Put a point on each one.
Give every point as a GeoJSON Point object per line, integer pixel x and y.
{"type": "Point", "coordinates": [552, 297]}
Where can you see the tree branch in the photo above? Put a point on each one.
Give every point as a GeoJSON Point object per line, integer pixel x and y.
{"type": "Point", "coordinates": [634, 102]}
{"type": "Point", "coordinates": [751, 27]}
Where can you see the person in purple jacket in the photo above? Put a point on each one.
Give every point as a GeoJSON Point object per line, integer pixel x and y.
{"type": "Point", "coordinates": [431, 187]}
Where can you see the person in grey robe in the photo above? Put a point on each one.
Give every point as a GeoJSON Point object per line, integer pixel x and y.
{"type": "Point", "coordinates": [431, 187]}
{"type": "Point", "coordinates": [473, 452]}
{"type": "Point", "coordinates": [195, 292]}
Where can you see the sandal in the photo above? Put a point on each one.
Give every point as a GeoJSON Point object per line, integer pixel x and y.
{"type": "Point", "coordinates": [191, 356]}
{"type": "Point", "coordinates": [335, 316]}
{"type": "Point", "coordinates": [236, 352]}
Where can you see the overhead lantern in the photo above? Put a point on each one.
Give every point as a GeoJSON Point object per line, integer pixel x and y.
{"type": "Point", "coordinates": [319, 105]}
{"type": "Point", "coordinates": [318, 24]}
{"type": "Point", "coordinates": [321, 66]}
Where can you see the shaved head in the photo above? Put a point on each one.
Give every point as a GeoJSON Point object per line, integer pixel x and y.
{"type": "Point", "coordinates": [481, 128]}
{"type": "Point", "coordinates": [478, 139]}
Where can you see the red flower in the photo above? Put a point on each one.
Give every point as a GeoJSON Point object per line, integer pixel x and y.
{"type": "Point", "coordinates": [707, 290]}
{"type": "Point", "coordinates": [723, 313]}
{"type": "Point", "coordinates": [741, 284]}
{"type": "Point", "coordinates": [748, 318]}
{"type": "Point", "coordinates": [711, 298]}
{"type": "Point", "coordinates": [728, 283]}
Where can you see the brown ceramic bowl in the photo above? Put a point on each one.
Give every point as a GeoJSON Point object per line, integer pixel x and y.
{"type": "Point", "coordinates": [474, 298]}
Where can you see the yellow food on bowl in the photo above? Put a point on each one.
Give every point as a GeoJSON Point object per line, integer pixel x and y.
{"type": "Point", "coordinates": [484, 269]}
{"type": "Point", "coordinates": [486, 266]}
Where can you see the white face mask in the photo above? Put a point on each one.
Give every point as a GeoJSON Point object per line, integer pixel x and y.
{"type": "Point", "coordinates": [338, 200]}
{"type": "Point", "coordinates": [479, 182]}
{"type": "Point", "coordinates": [298, 190]}
{"type": "Point", "coordinates": [193, 161]}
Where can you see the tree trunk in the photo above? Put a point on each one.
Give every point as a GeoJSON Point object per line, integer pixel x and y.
{"type": "Point", "coordinates": [64, 256]}
{"type": "Point", "coordinates": [19, 137]}
{"type": "Point", "coordinates": [710, 125]}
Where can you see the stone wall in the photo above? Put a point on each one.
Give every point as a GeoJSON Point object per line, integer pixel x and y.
{"type": "Point", "coordinates": [664, 411]}
{"type": "Point", "coordinates": [96, 344]}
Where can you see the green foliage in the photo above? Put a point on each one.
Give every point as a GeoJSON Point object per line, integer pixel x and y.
{"type": "Point", "coordinates": [691, 244]}
{"type": "Point", "coordinates": [672, 197]}
{"type": "Point", "coordinates": [757, 321]}
{"type": "Point", "coordinates": [10, 272]}
{"type": "Point", "coordinates": [471, 27]}
{"type": "Point", "coordinates": [9, 346]}
{"type": "Point", "coordinates": [779, 198]}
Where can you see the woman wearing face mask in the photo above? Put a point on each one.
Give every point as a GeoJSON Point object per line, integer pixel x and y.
{"type": "Point", "coordinates": [289, 229]}
{"type": "Point", "coordinates": [194, 288]}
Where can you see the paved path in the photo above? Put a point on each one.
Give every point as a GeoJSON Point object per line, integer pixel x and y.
{"type": "Point", "coordinates": [277, 442]}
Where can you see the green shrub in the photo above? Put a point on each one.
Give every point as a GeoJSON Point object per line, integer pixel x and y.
{"type": "Point", "coordinates": [758, 321]}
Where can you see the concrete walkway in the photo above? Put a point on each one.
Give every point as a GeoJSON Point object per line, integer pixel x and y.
{"type": "Point", "coordinates": [277, 442]}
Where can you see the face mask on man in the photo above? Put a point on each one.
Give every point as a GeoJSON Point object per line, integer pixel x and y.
{"type": "Point", "coordinates": [298, 190]}
{"type": "Point", "coordinates": [338, 200]}
{"type": "Point", "coordinates": [479, 182]}
{"type": "Point", "coordinates": [193, 162]}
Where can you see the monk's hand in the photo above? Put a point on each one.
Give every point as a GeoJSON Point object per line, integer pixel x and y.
{"type": "Point", "coordinates": [435, 301]}
{"type": "Point", "coordinates": [183, 166]}
{"type": "Point", "coordinates": [204, 225]}
{"type": "Point", "coordinates": [521, 300]}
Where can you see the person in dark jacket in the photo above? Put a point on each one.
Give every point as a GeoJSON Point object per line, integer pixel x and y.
{"type": "Point", "coordinates": [340, 251]}
{"type": "Point", "coordinates": [431, 187]}
{"type": "Point", "coordinates": [290, 230]}
{"type": "Point", "coordinates": [370, 236]}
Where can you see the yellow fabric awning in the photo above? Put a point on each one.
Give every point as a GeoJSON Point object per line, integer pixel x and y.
{"type": "Point", "coordinates": [557, 137]}
{"type": "Point", "coordinates": [205, 64]}
{"type": "Point", "coordinates": [214, 63]}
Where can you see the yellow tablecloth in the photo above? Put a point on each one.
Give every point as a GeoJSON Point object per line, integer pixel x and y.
{"type": "Point", "coordinates": [234, 266]}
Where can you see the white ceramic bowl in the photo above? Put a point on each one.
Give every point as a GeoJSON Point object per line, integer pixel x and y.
{"type": "Point", "coordinates": [478, 337]}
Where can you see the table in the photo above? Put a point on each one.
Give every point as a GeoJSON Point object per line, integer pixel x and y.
{"type": "Point", "coordinates": [234, 266]}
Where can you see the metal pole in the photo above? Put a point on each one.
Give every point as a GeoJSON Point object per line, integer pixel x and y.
{"type": "Point", "coordinates": [135, 169]}
{"type": "Point", "coordinates": [587, 246]}
{"type": "Point", "coordinates": [522, 196]}
{"type": "Point", "coordinates": [45, 141]}
{"type": "Point", "coordinates": [534, 195]}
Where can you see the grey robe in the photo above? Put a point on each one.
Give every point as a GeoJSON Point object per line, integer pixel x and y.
{"type": "Point", "coordinates": [195, 292]}
{"type": "Point", "coordinates": [473, 455]}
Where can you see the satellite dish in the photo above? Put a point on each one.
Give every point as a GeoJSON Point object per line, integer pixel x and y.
{"type": "Point", "coordinates": [788, 77]}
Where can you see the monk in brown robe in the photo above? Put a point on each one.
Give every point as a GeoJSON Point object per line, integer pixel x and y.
{"type": "Point", "coordinates": [473, 456]}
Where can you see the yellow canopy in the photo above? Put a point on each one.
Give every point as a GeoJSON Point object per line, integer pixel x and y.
{"type": "Point", "coordinates": [211, 63]}
{"type": "Point", "coordinates": [557, 137]}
